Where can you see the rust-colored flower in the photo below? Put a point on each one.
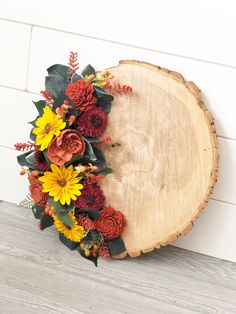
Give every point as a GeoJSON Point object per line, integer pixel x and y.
{"type": "Point", "coordinates": [110, 223]}
{"type": "Point", "coordinates": [36, 191]}
{"type": "Point", "coordinates": [85, 221]}
{"type": "Point", "coordinates": [64, 147]}
{"type": "Point", "coordinates": [92, 123]}
{"type": "Point", "coordinates": [81, 93]}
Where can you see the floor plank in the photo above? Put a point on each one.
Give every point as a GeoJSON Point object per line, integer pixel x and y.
{"type": "Point", "coordinates": [40, 275]}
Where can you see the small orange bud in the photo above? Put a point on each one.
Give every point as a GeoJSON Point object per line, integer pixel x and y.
{"type": "Point", "coordinates": [105, 73]}
{"type": "Point", "coordinates": [35, 173]}
{"type": "Point", "coordinates": [91, 77]}
{"type": "Point", "coordinates": [58, 110]}
{"type": "Point", "coordinates": [95, 246]}
{"type": "Point", "coordinates": [87, 252]}
{"type": "Point", "coordinates": [94, 168]}
{"type": "Point", "coordinates": [22, 172]}
{"type": "Point", "coordinates": [50, 212]}
{"type": "Point", "coordinates": [82, 245]}
{"type": "Point", "coordinates": [72, 119]}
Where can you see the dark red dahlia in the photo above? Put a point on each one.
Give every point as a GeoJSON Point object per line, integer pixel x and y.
{"type": "Point", "coordinates": [92, 197]}
{"type": "Point", "coordinates": [92, 123]}
{"type": "Point", "coordinates": [40, 160]}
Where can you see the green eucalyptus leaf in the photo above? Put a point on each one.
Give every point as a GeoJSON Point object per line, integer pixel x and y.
{"type": "Point", "coordinates": [100, 161]}
{"type": "Point", "coordinates": [40, 105]}
{"type": "Point", "coordinates": [33, 122]}
{"type": "Point", "coordinates": [59, 70]}
{"type": "Point", "coordinates": [105, 106]}
{"type": "Point", "coordinates": [55, 84]}
{"type": "Point", "coordinates": [88, 70]}
{"type": "Point", "coordinates": [30, 159]}
{"type": "Point", "coordinates": [103, 95]}
{"type": "Point", "coordinates": [22, 160]}
{"type": "Point", "coordinates": [106, 171]}
{"type": "Point", "coordinates": [38, 211]}
{"type": "Point", "coordinates": [76, 77]}
{"type": "Point", "coordinates": [65, 218]}
{"type": "Point", "coordinates": [89, 151]}
{"type": "Point", "coordinates": [59, 207]}
{"type": "Point", "coordinates": [46, 221]}
{"type": "Point", "coordinates": [32, 135]}
{"type": "Point", "coordinates": [116, 246]}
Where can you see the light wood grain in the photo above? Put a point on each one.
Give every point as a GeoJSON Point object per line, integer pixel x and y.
{"type": "Point", "coordinates": [164, 155]}
{"type": "Point", "coordinates": [40, 275]}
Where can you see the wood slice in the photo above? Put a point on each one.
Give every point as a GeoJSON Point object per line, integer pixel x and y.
{"type": "Point", "coordinates": [164, 155]}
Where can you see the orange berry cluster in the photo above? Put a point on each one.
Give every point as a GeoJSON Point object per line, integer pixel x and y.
{"type": "Point", "coordinates": [93, 250]}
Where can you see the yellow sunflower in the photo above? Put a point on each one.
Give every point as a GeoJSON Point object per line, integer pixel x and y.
{"type": "Point", "coordinates": [62, 183]}
{"type": "Point", "coordinates": [75, 233]}
{"type": "Point", "coordinates": [47, 126]}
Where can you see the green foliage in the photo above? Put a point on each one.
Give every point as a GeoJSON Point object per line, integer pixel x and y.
{"type": "Point", "coordinates": [88, 70]}
{"type": "Point", "coordinates": [100, 161]}
{"type": "Point", "coordinates": [27, 160]}
{"type": "Point", "coordinates": [59, 70]}
{"type": "Point", "coordinates": [116, 246]}
{"type": "Point", "coordinates": [72, 245]}
{"type": "Point", "coordinates": [65, 218]}
{"type": "Point", "coordinates": [76, 77]}
{"type": "Point", "coordinates": [105, 106]}
{"type": "Point", "coordinates": [59, 207]}
{"type": "Point", "coordinates": [103, 95]}
{"type": "Point", "coordinates": [55, 84]}
{"type": "Point", "coordinates": [37, 211]}
{"type": "Point", "coordinates": [89, 151]}
{"type": "Point", "coordinates": [106, 171]}
{"type": "Point", "coordinates": [91, 258]}
{"type": "Point", "coordinates": [40, 105]}
{"type": "Point", "coordinates": [46, 221]}
{"type": "Point", "coordinates": [28, 202]}
{"type": "Point", "coordinates": [91, 238]}
{"type": "Point", "coordinates": [32, 136]}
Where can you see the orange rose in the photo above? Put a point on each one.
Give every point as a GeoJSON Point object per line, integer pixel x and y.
{"type": "Point", "coordinates": [110, 223]}
{"type": "Point", "coordinates": [64, 147]}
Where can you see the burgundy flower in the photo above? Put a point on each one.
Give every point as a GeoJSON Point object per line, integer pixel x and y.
{"type": "Point", "coordinates": [92, 123]}
{"type": "Point", "coordinates": [40, 160]}
{"type": "Point", "coordinates": [81, 93]}
{"type": "Point", "coordinates": [92, 197]}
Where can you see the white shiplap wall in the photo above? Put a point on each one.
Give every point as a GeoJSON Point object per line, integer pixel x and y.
{"type": "Point", "coordinates": [195, 38]}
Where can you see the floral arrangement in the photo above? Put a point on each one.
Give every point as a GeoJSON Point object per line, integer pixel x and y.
{"type": "Point", "coordinates": [64, 162]}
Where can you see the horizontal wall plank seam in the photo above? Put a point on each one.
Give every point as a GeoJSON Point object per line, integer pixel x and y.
{"type": "Point", "coordinates": [122, 43]}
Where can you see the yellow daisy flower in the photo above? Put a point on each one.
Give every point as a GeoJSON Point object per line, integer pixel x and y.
{"type": "Point", "coordinates": [75, 233]}
{"type": "Point", "coordinates": [47, 126]}
{"type": "Point", "coordinates": [62, 183]}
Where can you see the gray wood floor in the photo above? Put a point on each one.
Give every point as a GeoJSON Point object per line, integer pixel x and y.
{"type": "Point", "coordinates": [40, 275]}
